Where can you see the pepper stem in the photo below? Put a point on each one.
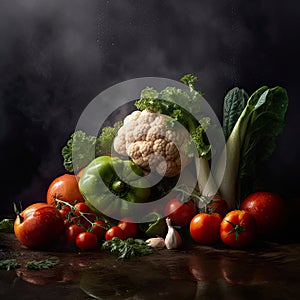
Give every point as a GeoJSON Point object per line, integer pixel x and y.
{"type": "Point", "coordinates": [118, 186]}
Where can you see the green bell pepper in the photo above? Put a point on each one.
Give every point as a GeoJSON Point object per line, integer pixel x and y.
{"type": "Point", "coordinates": [107, 181]}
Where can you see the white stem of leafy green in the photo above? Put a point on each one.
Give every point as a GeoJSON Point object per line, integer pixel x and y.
{"type": "Point", "coordinates": [228, 182]}
{"type": "Point", "coordinates": [206, 182]}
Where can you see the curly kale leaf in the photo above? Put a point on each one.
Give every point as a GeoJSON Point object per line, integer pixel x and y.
{"type": "Point", "coordinates": [82, 148]}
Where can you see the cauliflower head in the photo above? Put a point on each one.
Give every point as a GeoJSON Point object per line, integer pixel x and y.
{"type": "Point", "coordinates": [148, 140]}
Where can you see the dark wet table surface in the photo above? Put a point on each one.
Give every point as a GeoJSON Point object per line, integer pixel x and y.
{"type": "Point", "coordinates": [268, 271]}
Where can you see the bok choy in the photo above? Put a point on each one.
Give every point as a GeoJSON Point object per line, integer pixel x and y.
{"type": "Point", "coordinates": [251, 135]}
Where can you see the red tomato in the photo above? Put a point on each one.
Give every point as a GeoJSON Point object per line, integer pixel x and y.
{"type": "Point", "coordinates": [267, 209]}
{"type": "Point", "coordinates": [64, 187]}
{"type": "Point", "coordinates": [218, 205]}
{"type": "Point", "coordinates": [86, 241]}
{"type": "Point", "coordinates": [82, 207]}
{"type": "Point", "coordinates": [180, 213]}
{"type": "Point", "coordinates": [238, 229]}
{"type": "Point", "coordinates": [205, 228]}
{"type": "Point", "coordinates": [72, 231]}
{"type": "Point", "coordinates": [128, 226]}
{"type": "Point", "coordinates": [64, 211]}
{"type": "Point", "coordinates": [99, 228]}
{"type": "Point", "coordinates": [114, 231]}
{"type": "Point", "coordinates": [39, 225]}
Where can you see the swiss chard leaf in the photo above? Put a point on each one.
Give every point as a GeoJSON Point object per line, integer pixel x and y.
{"type": "Point", "coordinates": [234, 103]}
{"type": "Point", "coordinates": [266, 123]}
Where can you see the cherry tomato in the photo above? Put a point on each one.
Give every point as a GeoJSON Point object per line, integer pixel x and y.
{"type": "Point", "coordinates": [180, 213]}
{"type": "Point", "coordinates": [205, 228]}
{"type": "Point", "coordinates": [39, 225]}
{"type": "Point", "coordinates": [114, 231]}
{"type": "Point", "coordinates": [218, 205]}
{"type": "Point", "coordinates": [99, 228]}
{"type": "Point", "coordinates": [267, 209]}
{"type": "Point", "coordinates": [72, 231]}
{"type": "Point", "coordinates": [86, 241]}
{"type": "Point", "coordinates": [128, 226]}
{"type": "Point", "coordinates": [64, 211]}
{"type": "Point", "coordinates": [238, 229]}
{"type": "Point", "coordinates": [64, 187]}
{"type": "Point", "coordinates": [82, 207]}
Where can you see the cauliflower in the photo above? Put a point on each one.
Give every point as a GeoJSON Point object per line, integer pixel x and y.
{"type": "Point", "coordinates": [147, 139]}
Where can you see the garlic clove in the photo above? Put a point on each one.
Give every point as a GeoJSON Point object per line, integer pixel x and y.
{"type": "Point", "coordinates": [157, 242]}
{"type": "Point", "coordinates": [173, 239]}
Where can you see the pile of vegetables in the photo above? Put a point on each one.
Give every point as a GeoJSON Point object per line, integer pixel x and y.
{"type": "Point", "coordinates": [163, 136]}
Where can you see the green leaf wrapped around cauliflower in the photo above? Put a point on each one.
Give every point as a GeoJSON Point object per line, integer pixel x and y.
{"type": "Point", "coordinates": [154, 142]}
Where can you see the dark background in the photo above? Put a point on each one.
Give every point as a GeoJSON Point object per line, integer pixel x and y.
{"type": "Point", "coordinates": [56, 56]}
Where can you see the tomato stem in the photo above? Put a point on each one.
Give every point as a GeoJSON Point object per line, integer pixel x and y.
{"type": "Point", "coordinates": [82, 214]}
{"type": "Point", "coordinates": [237, 229]}
{"type": "Point", "coordinates": [18, 211]}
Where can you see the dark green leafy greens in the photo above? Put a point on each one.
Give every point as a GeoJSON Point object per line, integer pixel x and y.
{"type": "Point", "coordinates": [127, 248]}
{"type": "Point", "coordinates": [234, 103]}
{"type": "Point", "coordinates": [265, 125]}
{"type": "Point", "coordinates": [252, 139]}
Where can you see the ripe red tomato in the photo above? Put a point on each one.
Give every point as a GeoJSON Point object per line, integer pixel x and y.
{"type": "Point", "coordinates": [39, 225]}
{"type": "Point", "coordinates": [267, 209]}
{"type": "Point", "coordinates": [99, 228]}
{"type": "Point", "coordinates": [72, 231]}
{"type": "Point", "coordinates": [128, 226]}
{"type": "Point", "coordinates": [180, 213]}
{"type": "Point", "coordinates": [114, 231]}
{"type": "Point", "coordinates": [82, 207]}
{"type": "Point", "coordinates": [238, 229]}
{"type": "Point", "coordinates": [64, 187]}
{"type": "Point", "coordinates": [86, 241]}
{"type": "Point", "coordinates": [64, 211]}
{"type": "Point", "coordinates": [218, 205]}
{"type": "Point", "coordinates": [205, 228]}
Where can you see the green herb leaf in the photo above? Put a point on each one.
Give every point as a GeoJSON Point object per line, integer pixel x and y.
{"type": "Point", "coordinates": [127, 248]}
{"type": "Point", "coordinates": [9, 264]}
{"type": "Point", "coordinates": [42, 264]}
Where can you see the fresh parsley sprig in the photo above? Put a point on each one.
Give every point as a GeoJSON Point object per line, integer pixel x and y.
{"type": "Point", "coordinates": [127, 248]}
{"type": "Point", "coordinates": [42, 264]}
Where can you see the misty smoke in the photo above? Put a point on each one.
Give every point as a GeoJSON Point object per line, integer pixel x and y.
{"type": "Point", "coordinates": [57, 56]}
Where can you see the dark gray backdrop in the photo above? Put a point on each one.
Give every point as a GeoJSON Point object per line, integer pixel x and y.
{"type": "Point", "coordinates": [56, 56]}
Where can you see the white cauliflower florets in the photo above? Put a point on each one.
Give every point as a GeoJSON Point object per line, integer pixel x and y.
{"type": "Point", "coordinates": [149, 142]}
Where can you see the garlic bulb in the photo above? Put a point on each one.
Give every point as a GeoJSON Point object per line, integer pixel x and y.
{"type": "Point", "coordinates": [173, 239]}
{"type": "Point", "coordinates": [157, 242]}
